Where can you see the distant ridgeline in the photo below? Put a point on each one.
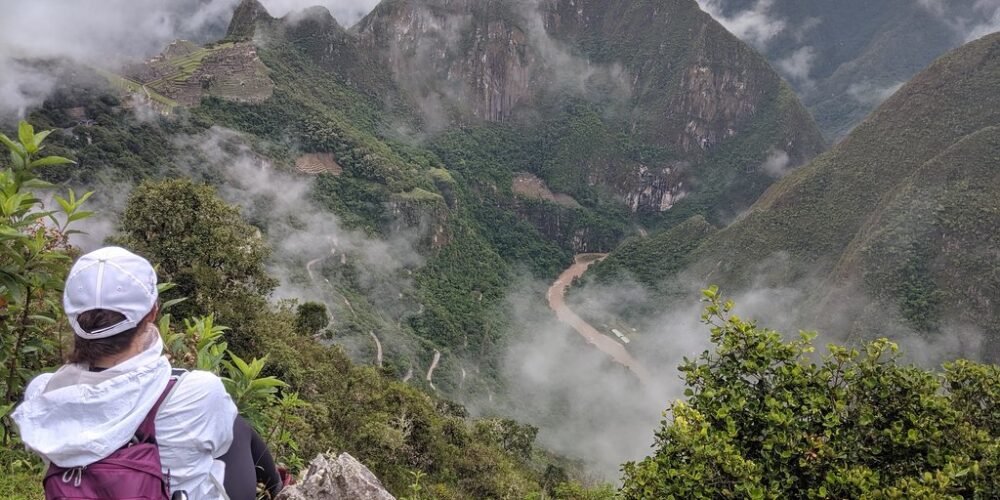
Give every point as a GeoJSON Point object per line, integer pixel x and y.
{"type": "Point", "coordinates": [844, 58]}
{"type": "Point", "coordinates": [509, 137]}
{"type": "Point", "coordinates": [894, 229]}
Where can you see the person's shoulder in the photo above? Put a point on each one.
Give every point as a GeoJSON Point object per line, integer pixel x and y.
{"type": "Point", "coordinates": [201, 384]}
{"type": "Point", "coordinates": [36, 386]}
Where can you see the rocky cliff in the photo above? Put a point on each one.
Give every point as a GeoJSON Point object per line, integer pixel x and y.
{"type": "Point", "coordinates": [666, 100]}
{"type": "Point", "coordinates": [336, 478]}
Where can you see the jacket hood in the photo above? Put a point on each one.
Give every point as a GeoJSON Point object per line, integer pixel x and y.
{"type": "Point", "coordinates": [75, 417]}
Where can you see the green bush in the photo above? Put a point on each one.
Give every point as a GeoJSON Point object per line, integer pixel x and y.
{"type": "Point", "coordinates": [765, 418]}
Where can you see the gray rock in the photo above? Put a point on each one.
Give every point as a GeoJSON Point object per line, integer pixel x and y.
{"type": "Point", "coordinates": [339, 478]}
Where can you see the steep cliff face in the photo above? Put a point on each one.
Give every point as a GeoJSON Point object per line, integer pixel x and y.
{"type": "Point", "coordinates": [693, 85]}
{"type": "Point", "coordinates": [664, 74]}
{"type": "Point", "coordinates": [454, 58]}
{"type": "Point", "coordinates": [662, 100]}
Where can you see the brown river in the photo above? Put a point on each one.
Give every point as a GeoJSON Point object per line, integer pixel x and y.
{"type": "Point", "coordinates": [557, 302]}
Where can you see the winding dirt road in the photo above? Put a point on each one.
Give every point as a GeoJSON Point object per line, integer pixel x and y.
{"type": "Point", "coordinates": [434, 365]}
{"type": "Point", "coordinates": [557, 302]}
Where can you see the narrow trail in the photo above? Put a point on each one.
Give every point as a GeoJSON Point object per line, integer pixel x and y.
{"type": "Point", "coordinates": [409, 375]}
{"type": "Point", "coordinates": [557, 302]}
{"type": "Point", "coordinates": [378, 350]}
{"type": "Point", "coordinates": [312, 277]}
{"type": "Point", "coordinates": [312, 263]}
{"type": "Point", "coordinates": [430, 371]}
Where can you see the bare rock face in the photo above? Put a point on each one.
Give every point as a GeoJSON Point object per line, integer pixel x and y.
{"type": "Point", "coordinates": [339, 478]}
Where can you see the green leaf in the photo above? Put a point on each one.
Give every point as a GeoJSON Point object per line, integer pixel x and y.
{"type": "Point", "coordinates": [11, 145]}
{"type": "Point", "coordinates": [51, 160]}
{"type": "Point", "coordinates": [17, 158]}
{"type": "Point", "coordinates": [75, 216]}
{"type": "Point", "coordinates": [39, 137]}
{"type": "Point", "coordinates": [42, 319]}
{"type": "Point", "coordinates": [26, 133]}
{"type": "Point", "coordinates": [170, 303]}
{"type": "Point", "coordinates": [37, 184]}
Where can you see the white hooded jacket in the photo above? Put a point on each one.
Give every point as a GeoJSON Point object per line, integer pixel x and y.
{"type": "Point", "coordinates": [75, 417]}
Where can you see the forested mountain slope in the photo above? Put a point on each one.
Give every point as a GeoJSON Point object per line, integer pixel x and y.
{"type": "Point", "coordinates": [490, 136]}
{"type": "Point", "coordinates": [625, 104]}
{"type": "Point", "coordinates": [414, 172]}
{"type": "Point", "coordinates": [902, 213]}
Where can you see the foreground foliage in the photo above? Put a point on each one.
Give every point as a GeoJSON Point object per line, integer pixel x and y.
{"type": "Point", "coordinates": [766, 418]}
{"type": "Point", "coordinates": [304, 397]}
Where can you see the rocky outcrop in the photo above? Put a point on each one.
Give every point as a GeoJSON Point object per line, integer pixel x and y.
{"type": "Point", "coordinates": [337, 478]}
{"type": "Point", "coordinates": [424, 210]}
{"type": "Point", "coordinates": [245, 18]}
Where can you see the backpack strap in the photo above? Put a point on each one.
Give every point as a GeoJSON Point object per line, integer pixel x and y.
{"type": "Point", "coordinates": [146, 433]}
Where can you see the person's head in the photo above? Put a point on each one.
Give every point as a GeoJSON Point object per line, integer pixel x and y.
{"type": "Point", "coordinates": [110, 299]}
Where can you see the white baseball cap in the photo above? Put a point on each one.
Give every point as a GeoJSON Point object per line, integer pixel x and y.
{"type": "Point", "coordinates": [110, 278]}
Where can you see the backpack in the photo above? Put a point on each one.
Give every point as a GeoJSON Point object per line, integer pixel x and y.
{"type": "Point", "coordinates": [131, 472]}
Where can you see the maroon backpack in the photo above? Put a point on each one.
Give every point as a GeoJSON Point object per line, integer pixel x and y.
{"type": "Point", "coordinates": [131, 472]}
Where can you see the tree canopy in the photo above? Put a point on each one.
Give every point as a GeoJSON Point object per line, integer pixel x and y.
{"type": "Point", "coordinates": [201, 244]}
{"type": "Point", "coordinates": [768, 418]}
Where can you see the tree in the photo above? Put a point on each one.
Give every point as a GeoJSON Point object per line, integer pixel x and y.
{"type": "Point", "coordinates": [203, 245]}
{"type": "Point", "coordinates": [34, 260]}
{"type": "Point", "coordinates": [763, 418]}
{"type": "Point", "coordinates": [311, 318]}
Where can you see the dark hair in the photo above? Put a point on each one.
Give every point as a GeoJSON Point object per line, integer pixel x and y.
{"type": "Point", "coordinates": [88, 351]}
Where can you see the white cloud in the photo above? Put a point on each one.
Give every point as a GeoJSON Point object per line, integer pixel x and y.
{"type": "Point", "coordinates": [347, 12]}
{"type": "Point", "coordinates": [756, 25]}
{"type": "Point", "coordinates": [798, 65]}
{"type": "Point", "coordinates": [101, 33]}
{"type": "Point", "coordinates": [777, 164]}
{"type": "Point", "coordinates": [869, 93]}
{"type": "Point", "coordinates": [988, 23]}
{"type": "Point", "coordinates": [108, 33]}
{"type": "Point", "coordinates": [969, 23]}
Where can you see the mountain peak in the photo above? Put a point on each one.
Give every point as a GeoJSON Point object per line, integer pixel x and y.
{"type": "Point", "coordinates": [245, 18]}
{"type": "Point", "coordinates": [318, 16]}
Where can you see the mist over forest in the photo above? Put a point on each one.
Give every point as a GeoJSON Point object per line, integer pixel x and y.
{"type": "Point", "coordinates": [570, 249]}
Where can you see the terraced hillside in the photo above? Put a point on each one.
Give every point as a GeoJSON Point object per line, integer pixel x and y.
{"type": "Point", "coordinates": [186, 73]}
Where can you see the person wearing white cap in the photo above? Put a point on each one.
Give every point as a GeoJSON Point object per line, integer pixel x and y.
{"type": "Point", "coordinates": [117, 371]}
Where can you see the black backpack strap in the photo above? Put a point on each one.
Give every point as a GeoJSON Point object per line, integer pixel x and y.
{"type": "Point", "coordinates": [146, 433]}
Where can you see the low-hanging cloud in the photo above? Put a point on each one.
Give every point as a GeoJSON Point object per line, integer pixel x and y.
{"type": "Point", "coordinates": [777, 165]}
{"type": "Point", "coordinates": [589, 407]}
{"type": "Point", "coordinates": [347, 12]}
{"type": "Point", "coordinates": [970, 19]}
{"type": "Point", "coordinates": [298, 230]}
{"type": "Point", "coordinates": [99, 33]}
{"type": "Point", "coordinates": [757, 25]}
{"type": "Point", "coordinates": [434, 65]}
{"type": "Point", "coordinates": [109, 33]}
{"type": "Point", "coordinates": [307, 239]}
{"type": "Point", "coordinates": [798, 65]}
{"type": "Point", "coordinates": [872, 94]}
